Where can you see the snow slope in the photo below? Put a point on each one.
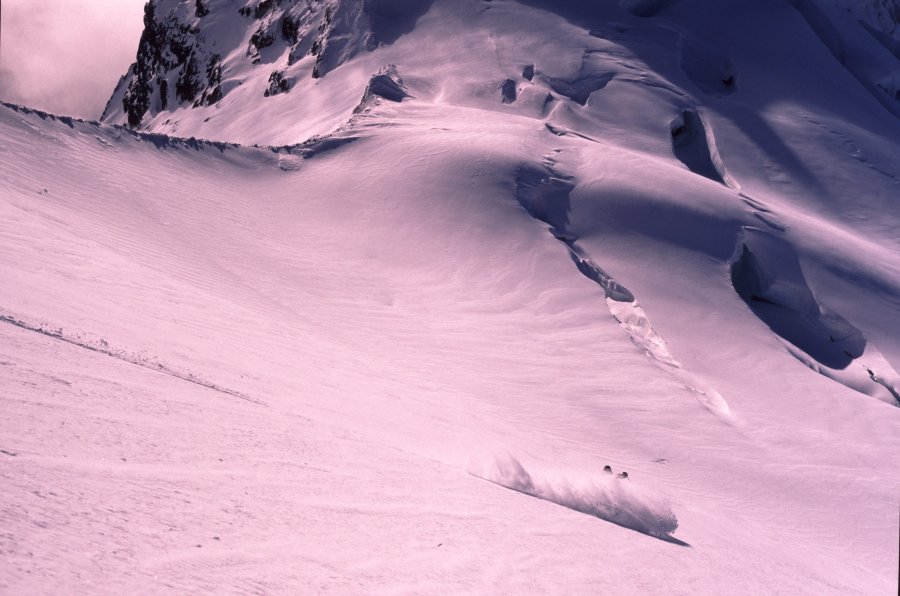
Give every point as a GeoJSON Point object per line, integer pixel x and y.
{"type": "Point", "coordinates": [529, 240]}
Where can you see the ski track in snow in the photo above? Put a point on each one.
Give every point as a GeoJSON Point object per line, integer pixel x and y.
{"type": "Point", "coordinates": [100, 346]}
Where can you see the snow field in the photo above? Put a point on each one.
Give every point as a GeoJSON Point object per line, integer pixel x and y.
{"type": "Point", "coordinates": [550, 271]}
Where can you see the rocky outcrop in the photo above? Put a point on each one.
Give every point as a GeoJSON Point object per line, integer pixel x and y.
{"type": "Point", "coordinates": [179, 60]}
{"type": "Point", "coordinates": [386, 84]}
{"type": "Point", "coordinates": [173, 66]}
{"type": "Point", "coordinates": [277, 84]}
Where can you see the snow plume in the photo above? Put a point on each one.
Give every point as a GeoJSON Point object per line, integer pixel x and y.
{"type": "Point", "coordinates": [601, 495]}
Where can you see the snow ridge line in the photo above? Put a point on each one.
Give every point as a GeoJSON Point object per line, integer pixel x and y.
{"type": "Point", "coordinates": [305, 149]}
{"type": "Point", "coordinates": [129, 357]}
{"type": "Point", "coordinates": [157, 139]}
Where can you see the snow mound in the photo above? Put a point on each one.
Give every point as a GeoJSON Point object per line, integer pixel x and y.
{"type": "Point", "coordinates": [606, 497]}
{"type": "Point", "coordinates": [767, 275]}
{"type": "Point", "coordinates": [592, 76]}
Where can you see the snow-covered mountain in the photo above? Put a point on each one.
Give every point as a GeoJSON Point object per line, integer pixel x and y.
{"type": "Point", "coordinates": [431, 244]}
{"type": "Point", "coordinates": [230, 54]}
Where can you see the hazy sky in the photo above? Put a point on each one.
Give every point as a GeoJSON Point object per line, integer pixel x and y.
{"type": "Point", "coordinates": [65, 56]}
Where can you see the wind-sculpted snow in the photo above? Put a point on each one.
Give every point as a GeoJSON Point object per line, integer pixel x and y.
{"type": "Point", "coordinates": [765, 272]}
{"type": "Point", "coordinates": [580, 87]}
{"type": "Point", "coordinates": [386, 84]}
{"type": "Point", "coordinates": [767, 275]}
{"type": "Point", "coordinates": [544, 192]}
{"type": "Point", "coordinates": [621, 501]}
{"type": "Point", "coordinates": [694, 145]}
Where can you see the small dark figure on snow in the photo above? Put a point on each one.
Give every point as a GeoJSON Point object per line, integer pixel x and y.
{"type": "Point", "coordinates": [624, 475]}
{"type": "Point", "coordinates": [607, 469]}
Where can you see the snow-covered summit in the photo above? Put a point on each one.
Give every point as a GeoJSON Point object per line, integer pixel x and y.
{"type": "Point", "coordinates": [195, 52]}
{"type": "Point", "coordinates": [280, 71]}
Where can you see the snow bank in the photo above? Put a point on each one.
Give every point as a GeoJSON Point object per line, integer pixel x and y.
{"type": "Point", "coordinates": [766, 273]}
{"type": "Point", "coordinates": [601, 495]}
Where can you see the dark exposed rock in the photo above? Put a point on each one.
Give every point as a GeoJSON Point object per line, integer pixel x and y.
{"type": "Point", "coordinates": [528, 72]}
{"type": "Point", "coordinates": [170, 49]}
{"type": "Point", "coordinates": [261, 38]}
{"type": "Point", "coordinates": [199, 82]}
{"type": "Point", "coordinates": [186, 87]}
{"type": "Point", "coordinates": [213, 91]}
{"type": "Point", "coordinates": [164, 94]}
{"type": "Point", "coordinates": [290, 29]}
{"type": "Point", "coordinates": [321, 42]}
{"type": "Point", "coordinates": [263, 8]}
{"type": "Point", "coordinates": [508, 91]}
{"type": "Point", "coordinates": [177, 64]}
{"type": "Point", "coordinates": [277, 84]}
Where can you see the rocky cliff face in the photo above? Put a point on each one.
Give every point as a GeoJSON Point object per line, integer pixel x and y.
{"type": "Point", "coordinates": [174, 64]}
{"type": "Point", "coordinates": [193, 52]}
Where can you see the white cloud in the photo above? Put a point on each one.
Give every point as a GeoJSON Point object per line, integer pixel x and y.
{"type": "Point", "coordinates": [65, 56]}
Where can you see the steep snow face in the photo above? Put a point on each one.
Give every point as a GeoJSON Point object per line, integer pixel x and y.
{"type": "Point", "coordinates": [309, 359]}
{"type": "Point", "coordinates": [484, 249]}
